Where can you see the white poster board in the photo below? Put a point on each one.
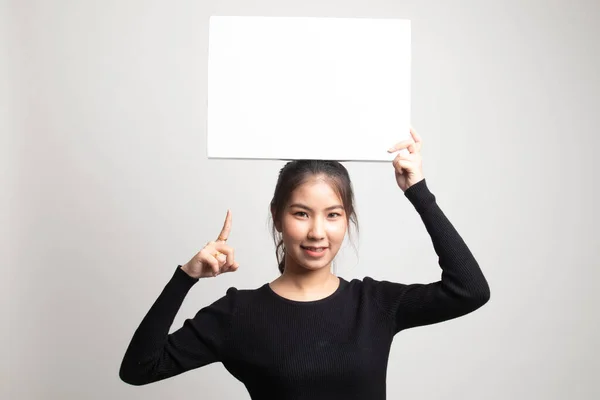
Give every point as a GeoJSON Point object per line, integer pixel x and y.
{"type": "Point", "coordinates": [290, 88]}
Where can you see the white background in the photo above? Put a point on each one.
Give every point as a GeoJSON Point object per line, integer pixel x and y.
{"type": "Point", "coordinates": [109, 188]}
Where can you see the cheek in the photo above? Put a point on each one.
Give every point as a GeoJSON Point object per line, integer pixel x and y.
{"type": "Point", "coordinates": [294, 230]}
{"type": "Point", "coordinates": [337, 230]}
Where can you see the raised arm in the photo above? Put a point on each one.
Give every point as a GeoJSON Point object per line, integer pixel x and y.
{"type": "Point", "coordinates": [153, 354]}
{"type": "Point", "coordinates": [462, 288]}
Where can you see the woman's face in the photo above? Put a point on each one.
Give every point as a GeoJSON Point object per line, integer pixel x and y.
{"type": "Point", "coordinates": [313, 225]}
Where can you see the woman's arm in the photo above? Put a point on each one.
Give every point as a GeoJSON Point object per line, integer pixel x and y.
{"type": "Point", "coordinates": [462, 288]}
{"type": "Point", "coordinates": [153, 354]}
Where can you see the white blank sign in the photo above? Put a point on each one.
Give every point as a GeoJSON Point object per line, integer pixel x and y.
{"type": "Point", "coordinates": [291, 88]}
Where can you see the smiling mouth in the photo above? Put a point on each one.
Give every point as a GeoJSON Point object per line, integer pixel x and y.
{"type": "Point", "coordinates": [314, 252]}
{"type": "Point", "coordinates": [317, 249]}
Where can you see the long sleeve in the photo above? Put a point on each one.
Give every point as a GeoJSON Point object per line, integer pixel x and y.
{"type": "Point", "coordinates": [153, 354]}
{"type": "Point", "coordinates": [462, 288]}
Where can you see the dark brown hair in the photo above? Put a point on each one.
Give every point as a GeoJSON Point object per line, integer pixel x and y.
{"type": "Point", "coordinates": [296, 173]}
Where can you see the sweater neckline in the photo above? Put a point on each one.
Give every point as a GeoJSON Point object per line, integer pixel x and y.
{"type": "Point", "coordinates": [336, 293]}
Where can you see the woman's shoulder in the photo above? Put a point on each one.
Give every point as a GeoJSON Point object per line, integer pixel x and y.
{"type": "Point", "coordinates": [241, 294]}
{"type": "Point", "coordinates": [244, 292]}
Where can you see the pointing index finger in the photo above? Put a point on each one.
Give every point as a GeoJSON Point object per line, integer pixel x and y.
{"type": "Point", "coordinates": [415, 135]}
{"type": "Point", "coordinates": [224, 235]}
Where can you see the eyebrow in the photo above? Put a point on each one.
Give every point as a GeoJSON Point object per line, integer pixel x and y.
{"type": "Point", "coordinates": [298, 205]}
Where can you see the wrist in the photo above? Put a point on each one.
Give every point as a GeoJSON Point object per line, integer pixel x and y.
{"type": "Point", "coordinates": [185, 268]}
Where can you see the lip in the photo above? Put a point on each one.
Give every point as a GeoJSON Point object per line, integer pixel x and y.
{"type": "Point", "coordinates": [314, 254]}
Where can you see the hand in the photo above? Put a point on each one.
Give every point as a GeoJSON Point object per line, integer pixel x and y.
{"type": "Point", "coordinates": [215, 258]}
{"type": "Point", "coordinates": [408, 168]}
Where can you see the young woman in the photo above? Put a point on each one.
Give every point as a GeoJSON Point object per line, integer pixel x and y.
{"type": "Point", "coordinates": [308, 334]}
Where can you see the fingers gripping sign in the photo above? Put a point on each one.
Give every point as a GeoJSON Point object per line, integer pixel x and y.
{"type": "Point", "coordinates": [408, 168]}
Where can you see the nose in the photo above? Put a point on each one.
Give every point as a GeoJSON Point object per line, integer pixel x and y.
{"type": "Point", "coordinates": [317, 230]}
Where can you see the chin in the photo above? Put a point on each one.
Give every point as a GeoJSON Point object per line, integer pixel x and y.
{"type": "Point", "coordinates": [315, 265]}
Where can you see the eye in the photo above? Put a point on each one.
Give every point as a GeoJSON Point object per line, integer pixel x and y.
{"type": "Point", "coordinates": [330, 214]}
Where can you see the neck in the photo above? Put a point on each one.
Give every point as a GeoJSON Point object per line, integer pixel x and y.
{"type": "Point", "coordinates": [304, 280]}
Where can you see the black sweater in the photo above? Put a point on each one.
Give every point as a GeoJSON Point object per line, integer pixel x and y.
{"type": "Point", "coordinates": [333, 348]}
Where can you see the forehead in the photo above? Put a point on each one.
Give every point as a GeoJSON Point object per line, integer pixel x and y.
{"type": "Point", "coordinates": [315, 190]}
